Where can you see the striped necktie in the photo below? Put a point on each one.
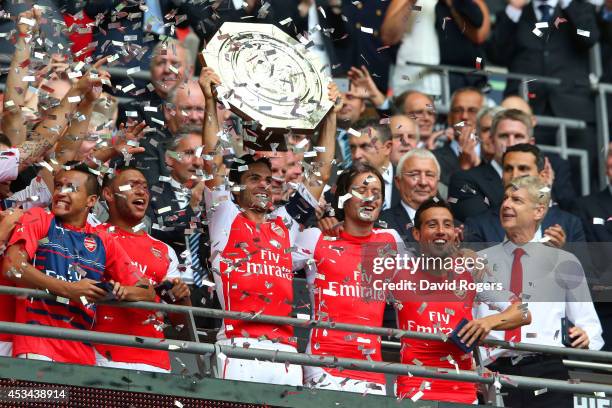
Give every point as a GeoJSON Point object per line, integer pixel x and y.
{"type": "Point", "coordinates": [196, 266]}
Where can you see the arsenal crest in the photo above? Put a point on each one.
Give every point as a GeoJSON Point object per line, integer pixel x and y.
{"type": "Point", "coordinates": [90, 244]}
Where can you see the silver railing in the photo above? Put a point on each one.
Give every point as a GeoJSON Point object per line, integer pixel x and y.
{"type": "Point", "coordinates": [207, 349]}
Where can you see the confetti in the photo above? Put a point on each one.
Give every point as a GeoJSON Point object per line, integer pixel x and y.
{"type": "Point", "coordinates": [540, 391]}
{"type": "Point", "coordinates": [583, 33]}
{"type": "Point", "coordinates": [367, 30]}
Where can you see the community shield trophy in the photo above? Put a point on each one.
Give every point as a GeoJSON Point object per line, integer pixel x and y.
{"type": "Point", "coordinates": [268, 79]}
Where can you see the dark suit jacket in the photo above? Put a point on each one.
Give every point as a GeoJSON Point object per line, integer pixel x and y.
{"type": "Point", "coordinates": [597, 205]}
{"type": "Point", "coordinates": [397, 218]}
{"type": "Point", "coordinates": [487, 227]}
{"type": "Point", "coordinates": [560, 53]}
{"type": "Point", "coordinates": [472, 192]}
{"type": "Point", "coordinates": [333, 28]}
{"type": "Point", "coordinates": [471, 187]}
{"type": "Point", "coordinates": [449, 162]}
{"type": "Point", "coordinates": [563, 191]}
{"type": "Point", "coordinates": [173, 222]}
{"type": "Point", "coordinates": [363, 48]}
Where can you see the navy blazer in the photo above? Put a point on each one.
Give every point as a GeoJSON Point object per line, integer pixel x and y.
{"type": "Point", "coordinates": [487, 227]}
{"type": "Point", "coordinates": [397, 218]}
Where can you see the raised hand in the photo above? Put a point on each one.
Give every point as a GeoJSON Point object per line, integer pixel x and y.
{"type": "Point", "coordinates": [208, 78]}
{"type": "Point", "coordinates": [29, 21]}
{"type": "Point", "coordinates": [361, 78]}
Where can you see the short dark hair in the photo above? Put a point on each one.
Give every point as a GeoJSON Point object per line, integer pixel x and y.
{"type": "Point", "coordinates": [91, 184]}
{"type": "Point", "coordinates": [433, 202]}
{"type": "Point", "coordinates": [384, 131]}
{"type": "Point", "coordinates": [245, 160]}
{"type": "Point", "coordinates": [527, 148]}
{"type": "Point", "coordinates": [4, 139]}
{"type": "Point", "coordinates": [345, 181]}
{"type": "Point", "coordinates": [399, 101]}
{"type": "Point", "coordinates": [466, 89]}
{"type": "Point", "coordinates": [110, 176]}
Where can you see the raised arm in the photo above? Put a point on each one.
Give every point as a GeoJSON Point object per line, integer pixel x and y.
{"type": "Point", "coordinates": [210, 129]}
{"type": "Point", "coordinates": [47, 133]}
{"type": "Point", "coordinates": [327, 142]}
{"type": "Point", "coordinates": [13, 124]}
{"type": "Point", "coordinates": [395, 21]}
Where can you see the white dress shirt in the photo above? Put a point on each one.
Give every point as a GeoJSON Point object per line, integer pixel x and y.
{"type": "Point", "coordinates": [387, 176]}
{"type": "Point", "coordinates": [549, 293]}
{"type": "Point", "coordinates": [497, 167]}
{"type": "Point", "coordinates": [515, 13]}
{"type": "Point", "coordinates": [409, 210]}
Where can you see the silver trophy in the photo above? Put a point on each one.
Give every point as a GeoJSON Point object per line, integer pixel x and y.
{"type": "Point", "coordinates": [268, 78]}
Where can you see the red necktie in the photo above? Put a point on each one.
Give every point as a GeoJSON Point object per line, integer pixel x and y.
{"type": "Point", "coordinates": [516, 286]}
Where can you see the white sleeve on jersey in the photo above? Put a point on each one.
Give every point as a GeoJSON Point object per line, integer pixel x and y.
{"type": "Point", "coordinates": [220, 212]}
{"type": "Point", "coordinates": [173, 271]}
{"type": "Point", "coordinates": [292, 225]}
{"type": "Point", "coordinates": [305, 247]}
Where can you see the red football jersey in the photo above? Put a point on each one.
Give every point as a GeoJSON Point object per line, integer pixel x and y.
{"type": "Point", "coordinates": [439, 310]}
{"type": "Point", "coordinates": [342, 294]}
{"type": "Point", "coordinates": [154, 260]}
{"type": "Point", "coordinates": [64, 252]}
{"type": "Point", "coordinates": [252, 266]}
{"type": "Point", "coordinates": [7, 307]}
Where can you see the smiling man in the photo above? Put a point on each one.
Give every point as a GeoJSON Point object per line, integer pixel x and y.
{"type": "Point", "coordinates": [60, 252]}
{"type": "Point", "coordinates": [337, 289]}
{"type": "Point", "coordinates": [441, 310]}
{"type": "Point", "coordinates": [418, 174]}
{"type": "Point", "coordinates": [127, 196]}
{"type": "Point", "coordinates": [251, 255]}
{"type": "Point", "coordinates": [553, 282]}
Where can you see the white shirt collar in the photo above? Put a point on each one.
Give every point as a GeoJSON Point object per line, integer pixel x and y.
{"type": "Point", "coordinates": [497, 167]}
{"type": "Point", "coordinates": [510, 246]}
{"type": "Point", "coordinates": [411, 211]}
{"type": "Point", "coordinates": [387, 176]}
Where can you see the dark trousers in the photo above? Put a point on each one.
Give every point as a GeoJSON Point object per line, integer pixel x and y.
{"type": "Point", "coordinates": [539, 366]}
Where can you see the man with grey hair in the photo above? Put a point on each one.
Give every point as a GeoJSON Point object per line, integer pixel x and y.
{"type": "Point", "coordinates": [554, 284]}
{"type": "Point", "coordinates": [417, 178]}
{"type": "Point", "coordinates": [183, 114]}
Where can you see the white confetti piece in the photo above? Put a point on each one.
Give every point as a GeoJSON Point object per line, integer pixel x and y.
{"type": "Point", "coordinates": [125, 187]}
{"type": "Point", "coordinates": [133, 70]}
{"type": "Point", "coordinates": [343, 199]}
{"type": "Point", "coordinates": [173, 347]}
{"type": "Point", "coordinates": [417, 396]}
{"type": "Point", "coordinates": [354, 132]}
{"type": "Point", "coordinates": [303, 316]}
{"type": "Point", "coordinates": [363, 340]}
{"type": "Point", "coordinates": [540, 391]}
{"type": "Point", "coordinates": [542, 24]}
{"type": "Point", "coordinates": [598, 221]}
{"type": "Point", "coordinates": [537, 32]}
{"type": "Point", "coordinates": [27, 21]}
{"type": "Point", "coordinates": [178, 404]}
{"type": "Point", "coordinates": [84, 300]}
{"type": "Point", "coordinates": [367, 30]}
{"type": "Point", "coordinates": [286, 21]}
{"type": "Point", "coordinates": [545, 238]}
{"type": "Point", "coordinates": [63, 300]}
{"type": "Point", "coordinates": [164, 209]}
{"type": "Point", "coordinates": [583, 33]}
{"type": "Point", "coordinates": [74, 99]}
